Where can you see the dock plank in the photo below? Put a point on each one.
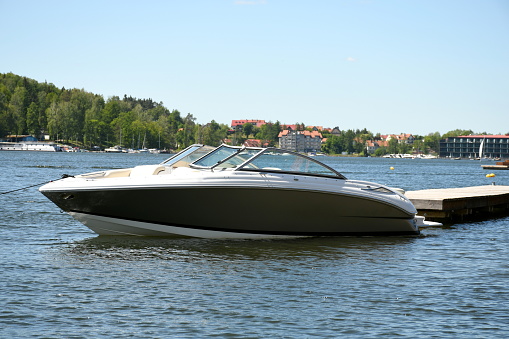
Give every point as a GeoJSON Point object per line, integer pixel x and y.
{"type": "Point", "coordinates": [460, 203]}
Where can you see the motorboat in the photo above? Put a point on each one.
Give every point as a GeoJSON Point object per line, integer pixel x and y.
{"type": "Point", "coordinates": [233, 192]}
{"type": "Point", "coordinates": [30, 146]}
{"type": "Point", "coordinates": [114, 149]}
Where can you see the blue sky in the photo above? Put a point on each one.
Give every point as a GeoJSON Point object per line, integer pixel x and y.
{"type": "Point", "coordinates": [393, 66]}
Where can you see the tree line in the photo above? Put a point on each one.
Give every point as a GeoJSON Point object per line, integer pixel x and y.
{"type": "Point", "coordinates": [87, 119]}
{"type": "Point", "coordinates": [81, 117]}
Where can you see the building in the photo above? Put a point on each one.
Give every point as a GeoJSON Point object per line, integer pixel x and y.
{"type": "Point", "coordinates": [315, 128]}
{"type": "Point", "coordinates": [373, 145]}
{"type": "Point", "coordinates": [336, 131]}
{"type": "Point", "coordinates": [255, 143]}
{"type": "Point", "coordinates": [402, 138]}
{"type": "Point", "coordinates": [470, 146]}
{"type": "Point", "coordinates": [300, 141]}
{"type": "Point", "coordinates": [257, 123]}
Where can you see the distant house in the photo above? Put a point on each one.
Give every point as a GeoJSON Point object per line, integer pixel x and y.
{"type": "Point", "coordinates": [315, 128]}
{"type": "Point", "coordinates": [289, 127]}
{"type": "Point", "coordinates": [336, 131]}
{"type": "Point", "coordinates": [402, 138]}
{"type": "Point", "coordinates": [373, 145]}
{"type": "Point", "coordinates": [255, 143]}
{"type": "Point", "coordinates": [257, 123]}
{"type": "Point", "coordinates": [300, 141]}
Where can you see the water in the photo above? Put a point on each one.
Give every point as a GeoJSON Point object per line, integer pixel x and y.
{"type": "Point", "coordinates": [60, 280]}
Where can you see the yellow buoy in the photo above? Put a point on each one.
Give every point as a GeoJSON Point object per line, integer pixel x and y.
{"type": "Point", "coordinates": [392, 168]}
{"type": "Point", "coordinates": [491, 175]}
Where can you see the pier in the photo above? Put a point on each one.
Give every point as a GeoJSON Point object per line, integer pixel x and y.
{"type": "Point", "coordinates": [453, 204]}
{"type": "Point", "coordinates": [504, 165]}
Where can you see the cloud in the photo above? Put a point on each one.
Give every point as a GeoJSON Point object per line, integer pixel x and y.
{"type": "Point", "coordinates": [250, 2]}
{"type": "Point", "coordinates": [351, 59]}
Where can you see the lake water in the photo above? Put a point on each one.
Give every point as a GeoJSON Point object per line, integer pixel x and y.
{"type": "Point", "coordinates": [60, 280]}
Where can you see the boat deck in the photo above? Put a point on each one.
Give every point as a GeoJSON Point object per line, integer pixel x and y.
{"type": "Point", "coordinates": [461, 203]}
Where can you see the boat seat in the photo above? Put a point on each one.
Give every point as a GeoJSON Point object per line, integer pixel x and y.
{"type": "Point", "coordinates": [145, 170]}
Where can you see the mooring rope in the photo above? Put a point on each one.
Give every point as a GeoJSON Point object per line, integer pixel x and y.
{"type": "Point", "coordinates": [42, 183]}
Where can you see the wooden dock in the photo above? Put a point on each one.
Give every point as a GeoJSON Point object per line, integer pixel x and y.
{"type": "Point", "coordinates": [461, 203]}
{"type": "Point", "coordinates": [495, 167]}
{"type": "Point", "coordinates": [503, 165]}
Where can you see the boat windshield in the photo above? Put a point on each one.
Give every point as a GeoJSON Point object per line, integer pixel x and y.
{"type": "Point", "coordinates": [218, 156]}
{"type": "Point", "coordinates": [277, 160]}
{"type": "Point", "coordinates": [187, 156]}
{"type": "Point", "coordinates": [263, 160]}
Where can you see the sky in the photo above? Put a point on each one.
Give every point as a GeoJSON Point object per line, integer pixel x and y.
{"type": "Point", "coordinates": [391, 66]}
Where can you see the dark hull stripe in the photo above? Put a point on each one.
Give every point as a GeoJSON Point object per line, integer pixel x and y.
{"type": "Point", "coordinates": [266, 232]}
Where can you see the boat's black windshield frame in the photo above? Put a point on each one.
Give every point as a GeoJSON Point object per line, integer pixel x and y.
{"type": "Point", "coordinates": [260, 151]}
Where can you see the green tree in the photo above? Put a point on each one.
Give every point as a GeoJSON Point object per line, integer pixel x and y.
{"type": "Point", "coordinates": [404, 148]}
{"type": "Point", "coordinates": [18, 109]}
{"type": "Point", "coordinates": [393, 147]}
{"type": "Point", "coordinates": [333, 145]}
{"type": "Point", "coordinates": [381, 151]}
{"type": "Point", "coordinates": [55, 116]}
{"type": "Point", "coordinates": [94, 132]}
{"type": "Point", "coordinates": [33, 119]}
{"type": "Point", "coordinates": [418, 146]}
{"type": "Point", "coordinates": [213, 133]}
{"type": "Point", "coordinates": [432, 141]}
{"type": "Point", "coordinates": [457, 132]}
{"type": "Point", "coordinates": [247, 128]}
{"type": "Point", "coordinates": [185, 135]}
{"type": "Point", "coordinates": [269, 133]}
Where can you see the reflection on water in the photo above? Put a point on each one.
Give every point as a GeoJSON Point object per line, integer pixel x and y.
{"type": "Point", "coordinates": [142, 248]}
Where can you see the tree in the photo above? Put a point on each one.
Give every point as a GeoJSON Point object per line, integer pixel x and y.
{"type": "Point", "coordinates": [247, 128]}
{"type": "Point", "coordinates": [185, 135]}
{"type": "Point", "coordinates": [393, 147]}
{"type": "Point", "coordinates": [54, 114]}
{"type": "Point", "coordinates": [33, 119]}
{"type": "Point", "coordinates": [94, 132]}
{"type": "Point", "coordinates": [381, 151]}
{"type": "Point", "coordinates": [269, 132]}
{"type": "Point", "coordinates": [403, 148]}
{"type": "Point", "coordinates": [213, 133]}
{"type": "Point", "coordinates": [347, 139]}
{"type": "Point", "coordinates": [333, 145]}
{"type": "Point", "coordinates": [432, 141]}
{"type": "Point", "coordinates": [457, 132]}
{"type": "Point", "coordinates": [18, 109]}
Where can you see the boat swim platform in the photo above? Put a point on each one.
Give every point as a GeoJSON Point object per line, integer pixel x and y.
{"type": "Point", "coordinates": [458, 204]}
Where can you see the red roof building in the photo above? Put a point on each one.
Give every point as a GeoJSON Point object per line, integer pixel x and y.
{"type": "Point", "coordinates": [257, 123]}
{"type": "Point", "coordinates": [300, 141]}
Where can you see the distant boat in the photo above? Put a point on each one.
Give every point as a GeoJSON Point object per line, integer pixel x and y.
{"type": "Point", "coordinates": [114, 149]}
{"type": "Point", "coordinates": [30, 146]}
